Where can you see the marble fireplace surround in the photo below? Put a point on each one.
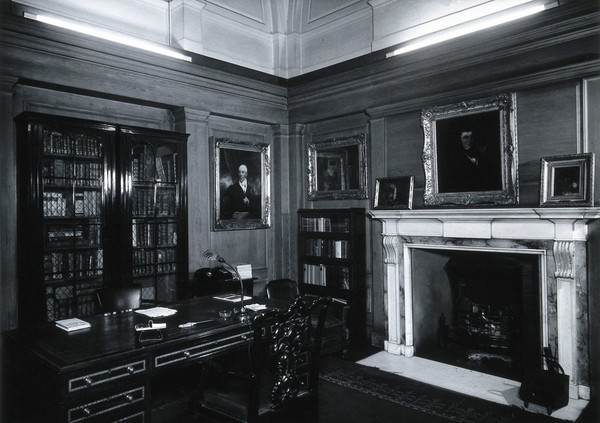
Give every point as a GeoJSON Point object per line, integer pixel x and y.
{"type": "Point", "coordinates": [557, 236]}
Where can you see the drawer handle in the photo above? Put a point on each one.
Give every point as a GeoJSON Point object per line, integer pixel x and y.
{"type": "Point", "coordinates": [130, 370]}
{"type": "Point", "coordinates": [87, 411]}
{"type": "Point", "coordinates": [129, 397]}
{"type": "Point", "coordinates": [187, 354]}
{"type": "Point", "coordinates": [89, 381]}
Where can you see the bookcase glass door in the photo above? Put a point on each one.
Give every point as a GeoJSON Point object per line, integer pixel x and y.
{"type": "Point", "coordinates": [154, 200]}
{"type": "Point", "coordinates": [73, 185]}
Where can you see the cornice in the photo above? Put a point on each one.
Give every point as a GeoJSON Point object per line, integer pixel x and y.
{"type": "Point", "coordinates": [564, 73]}
{"type": "Point", "coordinates": [24, 33]}
{"type": "Point", "coordinates": [497, 44]}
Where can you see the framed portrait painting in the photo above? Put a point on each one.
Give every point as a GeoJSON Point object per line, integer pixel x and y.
{"type": "Point", "coordinates": [567, 180]}
{"type": "Point", "coordinates": [470, 152]}
{"type": "Point", "coordinates": [241, 186]}
{"type": "Point", "coordinates": [337, 168]}
{"type": "Point", "coordinates": [394, 193]}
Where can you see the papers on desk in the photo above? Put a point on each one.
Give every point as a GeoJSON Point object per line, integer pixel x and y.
{"type": "Point", "coordinates": [157, 312]}
{"type": "Point", "coordinates": [256, 307]}
{"type": "Point", "coordinates": [233, 298]}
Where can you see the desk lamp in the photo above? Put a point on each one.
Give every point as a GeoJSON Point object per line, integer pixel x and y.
{"type": "Point", "coordinates": [212, 255]}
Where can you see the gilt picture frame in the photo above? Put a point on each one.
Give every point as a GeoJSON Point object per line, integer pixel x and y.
{"type": "Point", "coordinates": [567, 180]}
{"type": "Point", "coordinates": [241, 185]}
{"type": "Point", "coordinates": [337, 168]}
{"type": "Point", "coordinates": [470, 153]}
{"type": "Point", "coordinates": [394, 193]}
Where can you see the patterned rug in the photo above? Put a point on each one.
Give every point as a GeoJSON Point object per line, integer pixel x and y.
{"type": "Point", "coordinates": [425, 398]}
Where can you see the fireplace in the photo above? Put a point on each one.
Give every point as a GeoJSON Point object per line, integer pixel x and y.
{"type": "Point", "coordinates": [437, 309]}
{"type": "Point", "coordinates": [477, 310]}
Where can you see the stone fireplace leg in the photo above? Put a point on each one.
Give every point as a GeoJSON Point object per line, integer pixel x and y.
{"type": "Point", "coordinates": [565, 304]}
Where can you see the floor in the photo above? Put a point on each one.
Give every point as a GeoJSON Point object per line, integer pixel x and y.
{"type": "Point", "coordinates": [479, 385]}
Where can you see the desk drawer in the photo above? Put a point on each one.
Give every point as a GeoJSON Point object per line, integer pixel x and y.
{"type": "Point", "coordinates": [203, 349]}
{"type": "Point", "coordinates": [112, 403]}
{"type": "Point", "coordinates": [106, 375]}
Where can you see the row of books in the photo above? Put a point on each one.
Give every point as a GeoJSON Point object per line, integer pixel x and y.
{"type": "Point", "coordinates": [61, 169]}
{"type": "Point", "coordinates": [143, 202]}
{"type": "Point", "coordinates": [334, 248]}
{"type": "Point", "coordinates": [150, 256]}
{"type": "Point", "coordinates": [324, 224]}
{"type": "Point", "coordinates": [57, 204]}
{"type": "Point", "coordinates": [147, 169]}
{"type": "Point", "coordinates": [69, 265]}
{"type": "Point", "coordinates": [73, 299]}
{"type": "Point", "coordinates": [80, 236]}
{"type": "Point", "coordinates": [146, 270]}
{"type": "Point", "coordinates": [143, 234]}
{"type": "Point", "coordinates": [55, 142]}
{"type": "Point", "coordinates": [325, 275]}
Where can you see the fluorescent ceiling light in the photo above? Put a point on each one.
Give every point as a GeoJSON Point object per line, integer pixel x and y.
{"type": "Point", "coordinates": [471, 27]}
{"type": "Point", "coordinates": [108, 35]}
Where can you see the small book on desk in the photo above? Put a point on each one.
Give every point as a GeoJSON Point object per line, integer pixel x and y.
{"type": "Point", "coordinates": [72, 324]}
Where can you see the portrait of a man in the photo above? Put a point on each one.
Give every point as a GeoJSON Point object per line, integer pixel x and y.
{"type": "Point", "coordinates": [240, 199]}
{"type": "Point", "coordinates": [242, 185]}
{"type": "Point", "coordinates": [470, 152]}
{"type": "Point", "coordinates": [469, 157]}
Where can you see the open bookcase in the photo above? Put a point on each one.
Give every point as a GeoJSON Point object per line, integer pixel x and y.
{"type": "Point", "coordinates": [332, 261]}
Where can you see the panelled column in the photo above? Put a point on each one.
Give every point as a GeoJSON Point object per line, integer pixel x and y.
{"type": "Point", "coordinates": [287, 142]}
{"type": "Point", "coordinates": [8, 207]}
{"type": "Point", "coordinates": [195, 123]}
{"type": "Point", "coordinates": [378, 169]}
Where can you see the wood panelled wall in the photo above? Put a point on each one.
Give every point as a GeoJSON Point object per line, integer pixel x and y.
{"type": "Point", "coordinates": [553, 71]}
{"type": "Point", "coordinates": [56, 72]}
{"type": "Point", "coordinates": [550, 62]}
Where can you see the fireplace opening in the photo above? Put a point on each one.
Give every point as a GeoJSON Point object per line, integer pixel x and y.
{"type": "Point", "coordinates": [477, 310]}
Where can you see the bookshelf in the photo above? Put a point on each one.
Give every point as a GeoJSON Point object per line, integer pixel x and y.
{"type": "Point", "coordinates": [332, 261]}
{"type": "Point", "coordinates": [82, 226]}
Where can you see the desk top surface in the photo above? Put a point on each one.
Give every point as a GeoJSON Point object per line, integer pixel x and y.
{"type": "Point", "coordinates": [112, 335]}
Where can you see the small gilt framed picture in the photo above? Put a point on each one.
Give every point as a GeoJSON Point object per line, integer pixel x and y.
{"type": "Point", "coordinates": [394, 193]}
{"type": "Point", "coordinates": [567, 180]}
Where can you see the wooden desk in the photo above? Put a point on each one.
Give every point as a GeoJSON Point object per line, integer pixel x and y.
{"type": "Point", "coordinates": [105, 374]}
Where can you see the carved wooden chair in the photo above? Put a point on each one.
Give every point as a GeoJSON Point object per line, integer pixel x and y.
{"type": "Point", "coordinates": [335, 332]}
{"type": "Point", "coordinates": [281, 378]}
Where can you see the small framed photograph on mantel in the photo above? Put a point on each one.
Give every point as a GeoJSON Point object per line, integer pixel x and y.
{"type": "Point", "coordinates": [567, 180]}
{"type": "Point", "coordinates": [394, 193]}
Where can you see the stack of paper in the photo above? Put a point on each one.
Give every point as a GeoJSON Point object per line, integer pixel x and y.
{"type": "Point", "coordinates": [157, 312]}
{"type": "Point", "coordinates": [72, 324]}
{"type": "Point", "coordinates": [245, 271]}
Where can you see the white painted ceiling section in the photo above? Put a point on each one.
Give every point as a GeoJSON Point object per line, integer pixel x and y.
{"type": "Point", "coordinates": [285, 38]}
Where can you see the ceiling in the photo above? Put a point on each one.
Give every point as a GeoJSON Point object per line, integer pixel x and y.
{"type": "Point", "coordinates": [285, 38]}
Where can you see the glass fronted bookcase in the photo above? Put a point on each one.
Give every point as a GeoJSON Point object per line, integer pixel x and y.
{"type": "Point", "coordinates": [91, 215]}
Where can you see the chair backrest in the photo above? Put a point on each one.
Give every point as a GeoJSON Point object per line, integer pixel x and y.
{"type": "Point", "coordinates": [210, 281]}
{"type": "Point", "coordinates": [286, 354]}
{"type": "Point", "coordinates": [119, 298]}
{"type": "Point", "coordinates": [282, 289]}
